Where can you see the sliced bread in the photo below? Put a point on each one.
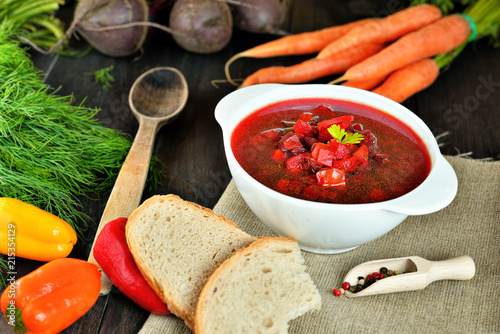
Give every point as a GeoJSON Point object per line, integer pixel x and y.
{"type": "Point", "coordinates": [258, 290]}
{"type": "Point", "coordinates": [177, 245]}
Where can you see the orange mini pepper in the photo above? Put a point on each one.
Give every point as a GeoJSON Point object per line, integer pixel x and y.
{"type": "Point", "coordinates": [52, 297]}
{"type": "Point", "coordinates": [32, 233]}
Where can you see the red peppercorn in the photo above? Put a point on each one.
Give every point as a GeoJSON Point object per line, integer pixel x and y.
{"type": "Point", "coordinates": [346, 285]}
{"type": "Point", "coordinates": [369, 277]}
{"type": "Point", "coordinates": [337, 292]}
{"type": "Point", "coordinates": [382, 276]}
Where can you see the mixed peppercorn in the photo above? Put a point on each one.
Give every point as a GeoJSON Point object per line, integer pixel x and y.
{"type": "Point", "coordinates": [364, 282]}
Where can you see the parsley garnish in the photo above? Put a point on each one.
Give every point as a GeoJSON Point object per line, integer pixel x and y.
{"type": "Point", "coordinates": [345, 137]}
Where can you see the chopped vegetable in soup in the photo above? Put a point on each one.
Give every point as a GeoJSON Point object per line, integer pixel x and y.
{"type": "Point", "coordinates": [331, 151]}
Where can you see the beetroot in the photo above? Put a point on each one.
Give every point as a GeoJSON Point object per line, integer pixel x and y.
{"type": "Point", "coordinates": [261, 16]}
{"type": "Point", "coordinates": [113, 27]}
{"type": "Point", "coordinates": [201, 26]}
{"type": "Point", "coordinates": [107, 13]}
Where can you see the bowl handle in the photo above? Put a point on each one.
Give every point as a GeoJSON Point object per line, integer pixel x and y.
{"type": "Point", "coordinates": [435, 193]}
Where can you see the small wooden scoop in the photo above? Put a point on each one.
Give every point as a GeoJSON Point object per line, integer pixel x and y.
{"type": "Point", "coordinates": [416, 274]}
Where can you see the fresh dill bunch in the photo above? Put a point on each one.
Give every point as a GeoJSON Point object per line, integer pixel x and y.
{"type": "Point", "coordinates": [103, 77]}
{"type": "Point", "coordinates": [4, 268]}
{"type": "Point", "coordinates": [52, 151]}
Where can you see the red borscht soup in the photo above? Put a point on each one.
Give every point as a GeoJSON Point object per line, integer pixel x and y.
{"type": "Point", "coordinates": [330, 151]}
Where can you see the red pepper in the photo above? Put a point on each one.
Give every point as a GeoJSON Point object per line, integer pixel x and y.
{"type": "Point", "coordinates": [113, 256]}
{"type": "Point", "coordinates": [52, 297]}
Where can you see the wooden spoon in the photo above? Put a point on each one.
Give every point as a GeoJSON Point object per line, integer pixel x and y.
{"type": "Point", "coordinates": [156, 97]}
{"type": "Point", "coordinates": [416, 274]}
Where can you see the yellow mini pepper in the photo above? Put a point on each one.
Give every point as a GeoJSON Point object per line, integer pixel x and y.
{"type": "Point", "coordinates": [32, 233]}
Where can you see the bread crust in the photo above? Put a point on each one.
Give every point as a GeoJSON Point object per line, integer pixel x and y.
{"type": "Point", "coordinates": [174, 306]}
{"type": "Point", "coordinates": [240, 253]}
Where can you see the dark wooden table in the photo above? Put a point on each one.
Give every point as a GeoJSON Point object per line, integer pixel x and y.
{"type": "Point", "coordinates": [463, 102]}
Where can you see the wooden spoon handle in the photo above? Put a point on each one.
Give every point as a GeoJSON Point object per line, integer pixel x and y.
{"type": "Point", "coordinates": [458, 268]}
{"type": "Point", "coordinates": [127, 191]}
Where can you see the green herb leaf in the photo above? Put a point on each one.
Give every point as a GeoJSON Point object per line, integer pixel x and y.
{"type": "Point", "coordinates": [345, 137]}
{"type": "Point", "coordinates": [103, 77]}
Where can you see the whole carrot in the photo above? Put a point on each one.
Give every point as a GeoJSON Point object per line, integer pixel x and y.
{"type": "Point", "coordinates": [364, 84]}
{"type": "Point", "coordinates": [385, 30]}
{"type": "Point", "coordinates": [439, 37]}
{"type": "Point", "coordinates": [409, 80]}
{"type": "Point", "coordinates": [313, 68]}
{"type": "Point", "coordinates": [297, 44]}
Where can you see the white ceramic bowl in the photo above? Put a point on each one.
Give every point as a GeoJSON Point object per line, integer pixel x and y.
{"type": "Point", "coordinates": [325, 227]}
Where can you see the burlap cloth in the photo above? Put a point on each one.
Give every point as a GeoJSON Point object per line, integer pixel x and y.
{"type": "Point", "coordinates": [469, 226]}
